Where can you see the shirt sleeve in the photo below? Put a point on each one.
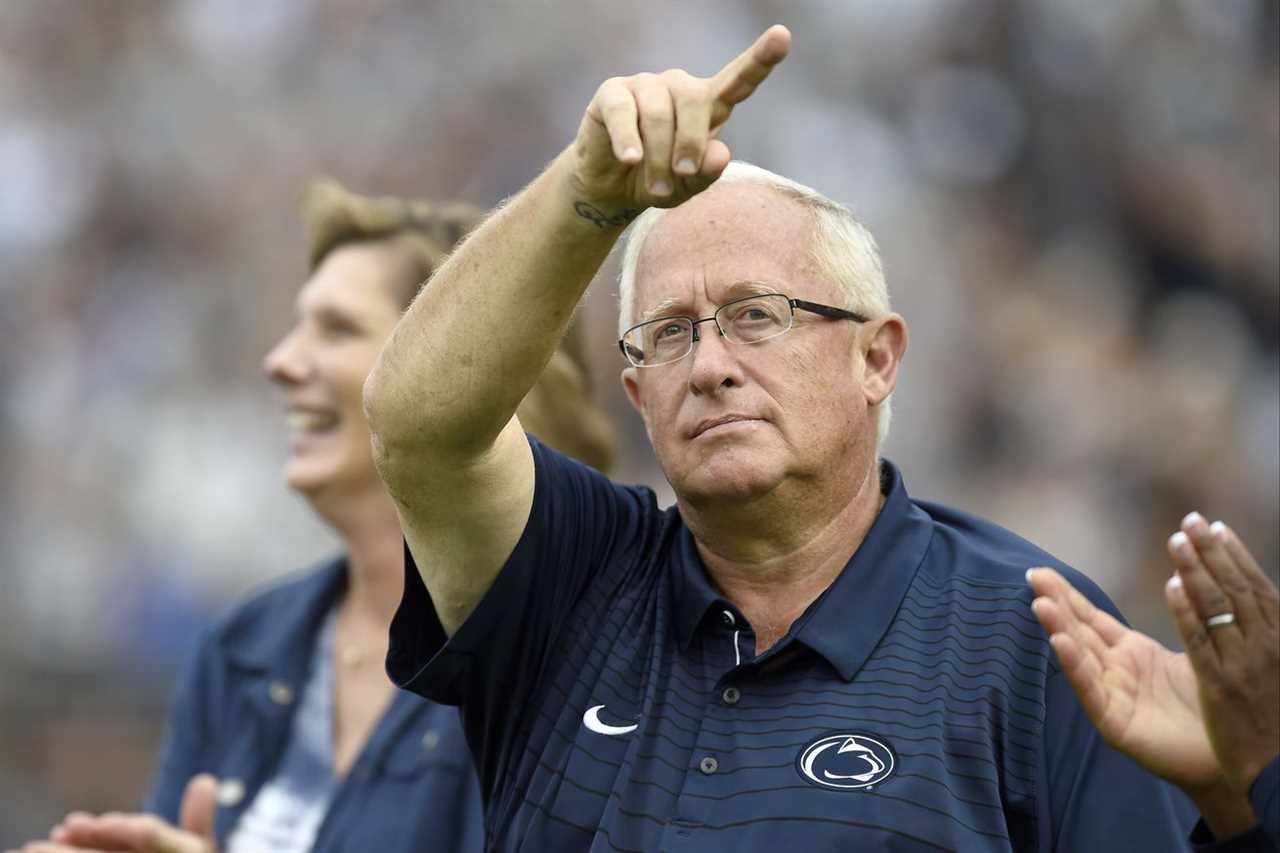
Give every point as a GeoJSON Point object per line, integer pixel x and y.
{"type": "Point", "coordinates": [1265, 796]}
{"type": "Point", "coordinates": [493, 665]}
{"type": "Point", "coordinates": [1097, 798]}
{"type": "Point", "coordinates": [187, 733]}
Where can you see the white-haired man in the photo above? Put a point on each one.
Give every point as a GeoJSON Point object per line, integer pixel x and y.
{"type": "Point", "coordinates": [797, 650]}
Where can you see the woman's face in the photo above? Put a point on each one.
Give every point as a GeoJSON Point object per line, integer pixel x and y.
{"type": "Point", "coordinates": [345, 313]}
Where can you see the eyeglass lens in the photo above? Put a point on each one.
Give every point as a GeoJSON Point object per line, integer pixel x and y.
{"type": "Point", "coordinates": [743, 321]}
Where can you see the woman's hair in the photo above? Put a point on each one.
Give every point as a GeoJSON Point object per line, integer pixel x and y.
{"type": "Point", "coordinates": [558, 409]}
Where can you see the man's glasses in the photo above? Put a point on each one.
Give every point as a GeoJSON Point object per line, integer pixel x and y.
{"type": "Point", "coordinates": [743, 321]}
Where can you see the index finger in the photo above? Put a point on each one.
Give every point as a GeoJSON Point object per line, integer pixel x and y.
{"type": "Point", "coordinates": [734, 83]}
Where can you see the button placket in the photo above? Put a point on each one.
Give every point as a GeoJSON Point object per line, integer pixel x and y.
{"type": "Point", "coordinates": [704, 782]}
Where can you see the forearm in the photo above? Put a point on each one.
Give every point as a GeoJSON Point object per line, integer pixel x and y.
{"type": "Point", "coordinates": [476, 339]}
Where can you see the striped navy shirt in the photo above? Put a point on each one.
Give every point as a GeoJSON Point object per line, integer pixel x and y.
{"type": "Point", "coordinates": [613, 701]}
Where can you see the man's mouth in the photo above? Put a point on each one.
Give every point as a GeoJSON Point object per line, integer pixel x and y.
{"type": "Point", "coordinates": [711, 424]}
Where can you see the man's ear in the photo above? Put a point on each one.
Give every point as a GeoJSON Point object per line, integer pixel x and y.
{"type": "Point", "coordinates": [630, 384]}
{"type": "Point", "coordinates": [884, 343]}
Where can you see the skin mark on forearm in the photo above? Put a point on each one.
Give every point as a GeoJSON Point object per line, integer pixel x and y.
{"type": "Point", "coordinates": [591, 213]}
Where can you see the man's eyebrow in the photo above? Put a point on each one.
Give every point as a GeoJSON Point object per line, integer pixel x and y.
{"type": "Point", "coordinates": [737, 290]}
{"type": "Point", "coordinates": [661, 309]}
{"type": "Point", "coordinates": [750, 287]}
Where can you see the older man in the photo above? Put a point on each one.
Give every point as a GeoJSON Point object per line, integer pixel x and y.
{"type": "Point", "coordinates": [797, 650]}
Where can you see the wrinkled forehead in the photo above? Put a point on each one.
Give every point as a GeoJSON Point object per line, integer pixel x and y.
{"type": "Point", "coordinates": [730, 234]}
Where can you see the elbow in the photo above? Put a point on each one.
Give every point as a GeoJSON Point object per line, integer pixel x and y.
{"type": "Point", "coordinates": [379, 411]}
{"type": "Point", "coordinates": [373, 396]}
{"type": "Point", "coordinates": [415, 428]}
{"type": "Point", "coordinates": [392, 452]}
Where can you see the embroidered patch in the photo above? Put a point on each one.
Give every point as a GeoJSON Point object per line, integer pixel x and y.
{"type": "Point", "coordinates": [846, 761]}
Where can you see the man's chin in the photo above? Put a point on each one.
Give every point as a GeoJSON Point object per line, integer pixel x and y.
{"type": "Point", "coordinates": [726, 480]}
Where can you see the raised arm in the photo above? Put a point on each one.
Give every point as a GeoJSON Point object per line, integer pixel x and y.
{"type": "Point", "coordinates": [442, 398]}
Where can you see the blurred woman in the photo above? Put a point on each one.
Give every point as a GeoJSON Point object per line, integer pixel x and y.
{"type": "Point", "coordinates": [287, 705]}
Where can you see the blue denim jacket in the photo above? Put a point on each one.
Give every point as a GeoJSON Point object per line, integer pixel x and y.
{"type": "Point", "coordinates": [412, 787]}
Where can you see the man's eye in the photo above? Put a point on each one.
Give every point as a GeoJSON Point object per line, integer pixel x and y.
{"type": "Point", "coordinates": [669, 330]}
{"type": "Point", "coordinates": [752, 314]}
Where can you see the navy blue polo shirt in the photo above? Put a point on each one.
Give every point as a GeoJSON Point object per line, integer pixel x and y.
{"type": "Point", "coordinates": [613, 701]}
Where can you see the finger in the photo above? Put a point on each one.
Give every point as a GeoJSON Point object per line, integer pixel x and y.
{"type": "Point", "coordinates": [142, 834]}
{"type": "Point", "coordinates": [657, 131]}
{"type": "Point", "coordinates": [199, 804]}
{"type": "Point", "coordinates": [1054, 618]}
{"type": "Point", "coordinates": [1047, 582]}
{"type": "Point", "coordinates": [1056, 615]}
{"type": "Point", "coordinates": [54, 847]}
{"type": "Point", "coordinates": [1106, 626]}
{"type": "Point", "coordinates": [1264, 590]}
{"type": "Point", "coordinates": [1085, 674]}
{"type": "Point", "coordinates": [1219, 565]}
{"type": "Point", "coordinates": [1207, 598]}
{"type": "Point", "coordinates": [81, 831]}
{"type": "Point", "coordinates": [743, 74]}
{"type": "Point", "coordinates": [692, 122]}
{"type": "Point", "coordinates": [60, 834]}
{"type": "Point", "coordinates": [1059, 621]}
{"type": "Point", "coordinates": [714, 160]}
{"type": "Point", "coordinates": [1195, 636]}
{"type": "Point", "coordinates": [614, 108]}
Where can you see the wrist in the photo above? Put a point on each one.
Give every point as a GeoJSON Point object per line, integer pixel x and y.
{"type": "Point", "coordinates": [601, 213]}
{"type": "Point", "coordinates": [1245, 775]}
{"type": "Point", "coordinates": [1224, 809]}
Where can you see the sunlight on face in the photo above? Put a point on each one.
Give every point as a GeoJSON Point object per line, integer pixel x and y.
{"type": "Point", "coordinates": [345, 313]}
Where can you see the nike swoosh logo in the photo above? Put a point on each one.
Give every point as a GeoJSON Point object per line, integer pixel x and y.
{"type": "Point", "coordinates": [591, 719]}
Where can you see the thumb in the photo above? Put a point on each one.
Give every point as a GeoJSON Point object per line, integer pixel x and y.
{"type": "Point", "coordinates": [199, 803]}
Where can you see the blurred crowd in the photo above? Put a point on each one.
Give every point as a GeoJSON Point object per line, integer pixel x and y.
{"type": "Point", "coordinates": [1078, 206]}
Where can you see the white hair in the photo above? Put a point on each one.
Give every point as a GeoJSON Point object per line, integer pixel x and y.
{"type": "Point", "coordinates": [843, 249]}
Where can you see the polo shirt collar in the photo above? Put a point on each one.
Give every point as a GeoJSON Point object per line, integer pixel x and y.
{"type": "Point", "coordinates": [282, 641]}
{"type": "Point", "coordinates": [847, 621]}
{"type": "Point", "coordinates": [691, 590]}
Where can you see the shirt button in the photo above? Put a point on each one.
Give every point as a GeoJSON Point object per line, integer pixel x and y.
{"type": "Point", "coordinates": [229, 792]}
{"type": "Point", "coordinates": [727, 617]}
{"type": "Point", "coordinates": [280, 693]}
{"type": "Point", "coordinates": [731, 695]}
{"type": "Point", "coordinates": [708, 765]}
{"type": "Point", "coordinates": [430, 740]}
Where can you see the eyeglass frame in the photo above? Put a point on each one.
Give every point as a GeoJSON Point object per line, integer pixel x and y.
{"type": "Point", "coordinates": [829, 311]}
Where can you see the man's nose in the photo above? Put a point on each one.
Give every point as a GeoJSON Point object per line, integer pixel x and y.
{"type": "Point", "coordinates": [713, 362]}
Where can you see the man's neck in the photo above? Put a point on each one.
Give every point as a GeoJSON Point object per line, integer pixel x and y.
{"type": "Point", "coordinates": [772, 558]}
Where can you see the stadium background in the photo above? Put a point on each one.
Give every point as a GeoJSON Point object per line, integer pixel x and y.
{"type": "Point", "coordinates": [1078, 205]}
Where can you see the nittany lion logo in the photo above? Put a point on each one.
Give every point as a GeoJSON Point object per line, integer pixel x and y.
{"type": "Point", "coordinates": [846, 761]}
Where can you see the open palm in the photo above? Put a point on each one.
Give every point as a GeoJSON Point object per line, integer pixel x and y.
{"type": "Point", "coordinates": [1141, 697]}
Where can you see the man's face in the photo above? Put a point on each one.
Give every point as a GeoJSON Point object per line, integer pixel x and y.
{"type": "Point", "coordinates": [734, 421]}
{"type": "Point", "coordinates": [346, 311]}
